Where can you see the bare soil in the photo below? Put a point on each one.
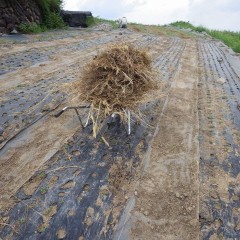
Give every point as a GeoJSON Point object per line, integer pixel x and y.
{"type": "Point", "coordinates": [176, 177]}
{"type": "Point", "coordinates": [167, 198]}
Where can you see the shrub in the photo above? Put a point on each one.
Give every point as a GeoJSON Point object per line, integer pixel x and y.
{"type": "Point", "coordinates": [54, 20]}
{"type": "Point", "coordinates": [182, 24]}
{"type": "Point", "coordinates": [51, 13]}
{"type": "Point", "coordinates": [200, 29]}
{"type": "Point", "coordinates": [30, 28]}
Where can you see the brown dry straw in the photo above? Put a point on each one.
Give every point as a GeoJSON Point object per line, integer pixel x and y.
{"type": "Point", "coordinates": [117, 79]}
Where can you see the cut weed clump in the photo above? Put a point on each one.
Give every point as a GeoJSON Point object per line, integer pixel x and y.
{"type": "Point", "coordinates": [115, 81]}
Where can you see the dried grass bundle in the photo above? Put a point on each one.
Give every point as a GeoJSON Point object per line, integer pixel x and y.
{"type": "Point", "coordinates": [117, 79]}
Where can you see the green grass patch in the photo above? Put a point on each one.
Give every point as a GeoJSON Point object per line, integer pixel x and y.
{"type": "Point", "coordinates": [43, 190]}
{"type": "Point", "coordinates": [187, 25]}
{"type": "Point", "coordinates": [158, 30]}
{"type": "Point", "coordinates": [6, 41]}
{"type": "Point", "coordinates": [182, 24]}
{"type": "Point", "coordinates": [31, 28]}
{"type": "Point", "coordinates": [93, 21]}
{"type": "Point", "coordinates": [230, 38]}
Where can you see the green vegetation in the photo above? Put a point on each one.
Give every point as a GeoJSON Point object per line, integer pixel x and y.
{"type": "Point", "coordinates": [41, 228]}
{"type": "Point", "coordinates": [6, 41]}
{"type": "Point", "coordinates": [51, 13]}
{"type": "Point", "coordinates": [31, 28]}
{"type": "Point", "coordinates": [92, 21]}
{"type": "Point", "coordinates": [43, 190]}
{"type": "Point", "coordinates": [50, 10]}
{"type": "Point", "coordinates": [182, 24]}
{"type": "Point", "coordinates": [47, 6]}
{"type": "Point", "coordinates": [54, 20]}
{"type": "Point", "coordinates": [22, 220]}
{"type": "Point", "coordinates": [42, 174]}
{"type": "Point", "coordinates": [157, 29]}
{"type": "Point", "coordinates": [231, 39]}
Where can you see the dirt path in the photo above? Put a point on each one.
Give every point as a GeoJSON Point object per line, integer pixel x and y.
{"type": "Point", "coordinates": [167, 197]}
{"type": "Point", "coordinates": [167, 206]}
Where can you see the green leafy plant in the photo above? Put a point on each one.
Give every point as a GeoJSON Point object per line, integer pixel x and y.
{"type": "Point", "coordinates": [22, 220]}
{"type": "Point", "coordinates": [43, 190]}
{"type": "Point", "coordinates": [41, 228]}
{"type": "Point", "coordinates": [30, 28]}
{"type": "Point", "coordinates": [54, 20]}
{"type": "Point", "coordinates": [51, 18]}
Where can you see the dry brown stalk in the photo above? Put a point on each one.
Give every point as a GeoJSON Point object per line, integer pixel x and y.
{"type": "Point", "coordinates": [117, 79]}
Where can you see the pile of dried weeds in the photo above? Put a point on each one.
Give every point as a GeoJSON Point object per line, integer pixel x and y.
{"type": "Point", "coordinates": [117, 79]}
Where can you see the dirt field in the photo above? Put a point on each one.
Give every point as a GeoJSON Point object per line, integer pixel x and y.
{"type": "Point", "coordinates": [175, 178]}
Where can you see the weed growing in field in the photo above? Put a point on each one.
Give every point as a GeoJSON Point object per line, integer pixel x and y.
{"type": "Point", "coordinates": [7, 41]}
{"type": "Point", "coordinates": [92, 21]}
{"type": "Point", "coordinates": [31, 28]}
{"type": "Point", "coordinates": [22, 220]}
{"type": "Point", "coordinates": [231, 39]}
{"type": "Point", "coordinates": [54, 20]}
{"type": "Point", "coordinates": [43, 190]}
{"type": "Point", "coordinates": [41, 228]}
{"type": "Point", "coordinates": [42, 174]}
